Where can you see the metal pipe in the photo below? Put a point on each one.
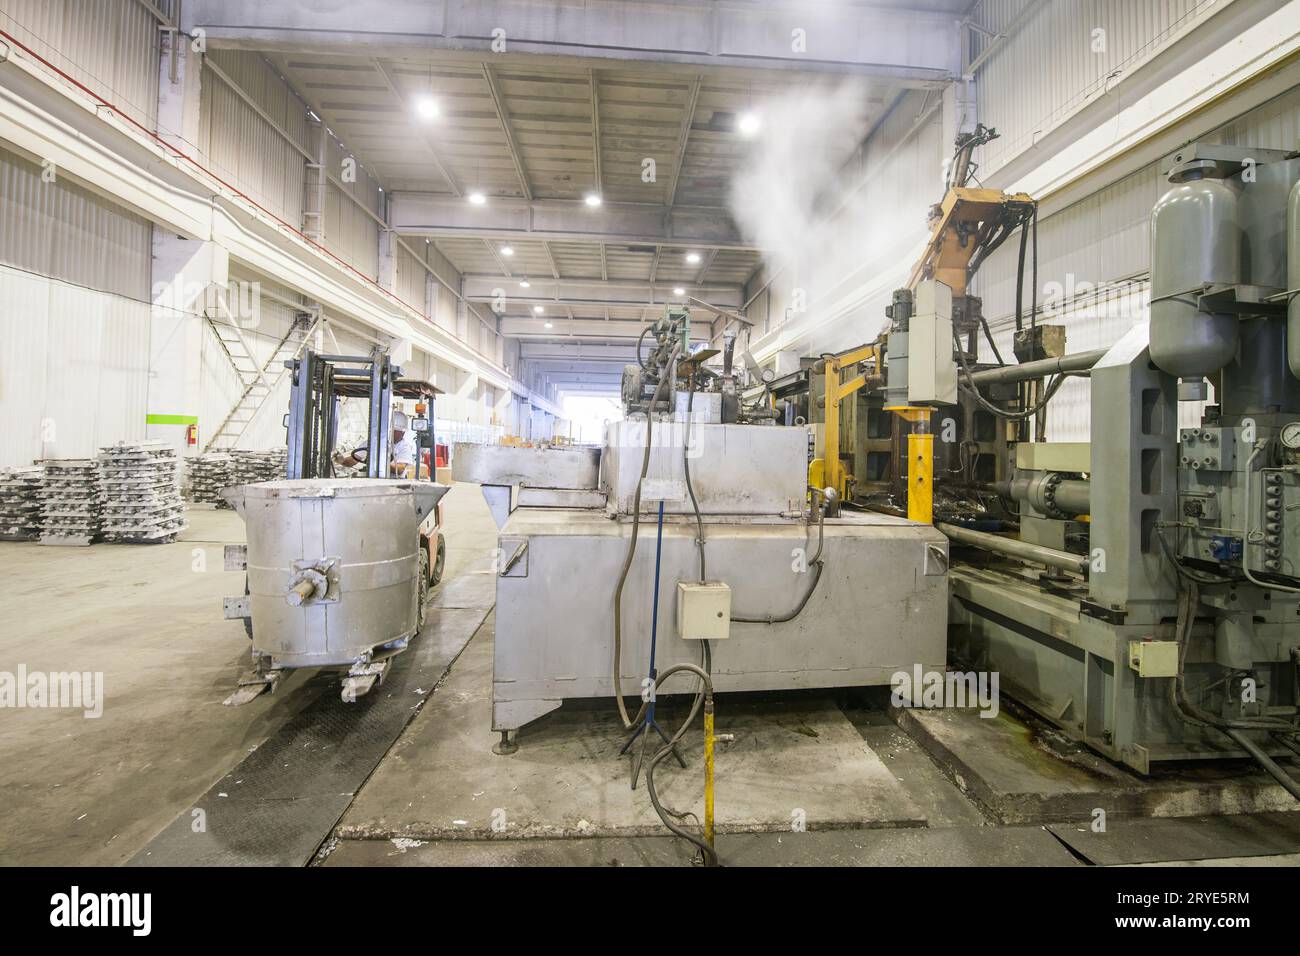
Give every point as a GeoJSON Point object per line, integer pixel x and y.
{"type": "Point", "coordinates": [1013, 548]}
{"type": "Point", "coordinates": [1006, 374]}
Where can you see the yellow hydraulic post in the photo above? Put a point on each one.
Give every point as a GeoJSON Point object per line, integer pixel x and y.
{"type": "Point", "coordinates": [708, 770]}
{"type": "Point", "coordinates": [920, 463]}
{"type": "Point", "coordinates": [834, 474]}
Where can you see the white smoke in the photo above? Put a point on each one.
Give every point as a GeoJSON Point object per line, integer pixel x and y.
{"type": "Point", "coordinates": [797, 197]}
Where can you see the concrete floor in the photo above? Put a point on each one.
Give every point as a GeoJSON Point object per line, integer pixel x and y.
{"type": "Point", "coordinates": [94, 791]}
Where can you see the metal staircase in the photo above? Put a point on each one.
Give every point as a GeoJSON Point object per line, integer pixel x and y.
{"type": "Point", "coordinates": [257, 381]}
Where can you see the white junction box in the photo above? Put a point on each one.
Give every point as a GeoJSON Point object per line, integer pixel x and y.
{"type": "Point", "coordinates": [703, 611]}
{"type": "Point", "coordinates": [1153, 658]}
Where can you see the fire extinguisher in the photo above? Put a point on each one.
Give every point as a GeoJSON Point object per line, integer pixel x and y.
{"type": "Point", "coordinates": [192, 434]}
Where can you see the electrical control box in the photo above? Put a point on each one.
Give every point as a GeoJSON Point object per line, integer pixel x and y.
{"type": "Point", "coordinates": [931, 373]}
{"type": "Point", "coordinates": [703, 611]}
{"type": "Point", "coordinates": [1153, 658]}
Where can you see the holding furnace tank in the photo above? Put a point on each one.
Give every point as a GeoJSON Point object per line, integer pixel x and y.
{"type": "Point", "coordinates": [1196, 239]}
{"type": "Point", "coordinates": [333, 566]}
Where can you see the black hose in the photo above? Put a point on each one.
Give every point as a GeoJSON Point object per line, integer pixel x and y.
{"type": "Point", "coordinates": [1184, 708]}
{"type": "Point", "coordinates": [639, 339]}
{"type": "Point", "coordinates": [686, 465]}
{"type": "Point", "coordinates": [1033, 293]}
{"type": "Point", "coordinates": [816, 565]}
{"type": "Point", "coordinates": [668, 815]}
{"type": "Point", "coordinates": [629, 723]}
{"type": "Point", "coordinates": [1022, 415]}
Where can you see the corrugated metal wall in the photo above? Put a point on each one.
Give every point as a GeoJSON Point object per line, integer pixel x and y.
{"type": "Point", "coordinates": [74, 317]}
{"type": "Point", "coordinates": [241, 146]}
{"type": "Point", "coordinates": [1051, 65]}
{"type": "Point", "coordinates": [59, 229]}
{"type": "Point", "coordinates": [110, 45]}
{"type": "Point", "coordinates": [74, 368]}
{"type": "Point", "coordinates": [350, 232]}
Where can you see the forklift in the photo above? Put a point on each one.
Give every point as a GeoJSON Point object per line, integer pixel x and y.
{"type": "Point", "coordinates": [318, 384]}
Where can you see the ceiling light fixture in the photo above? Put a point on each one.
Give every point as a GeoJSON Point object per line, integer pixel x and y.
{"type": "Point", "coordinates": [748, 124]}
{"type": "Point", "coordinates": [427, 107]}
{"type": "Point", "coordinates": [524, 283]}
{"type": "Point", "coordinates": [692, 257]}
{"type": "Point", "coordinates": [679, 291]}
{"type": "Point", "coordinates": [538, 309]}
{"type": "Point", "coordinates": [507, 251]}
{"type": "Point", "coordinates": [477, 198]}
{"type": "Point", "coordinates": [591, 199]}
{"type": "Point", "coordinates": [549, 326]}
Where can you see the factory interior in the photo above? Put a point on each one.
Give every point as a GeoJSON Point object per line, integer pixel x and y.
{"type": "Point", "coordinates": [649, 433]}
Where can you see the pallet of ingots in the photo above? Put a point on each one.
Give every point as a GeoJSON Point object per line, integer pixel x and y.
{"type": "Point", "coordinates": [140, 493]}
{"type": "Point", "coordinates": [20, 503]}
{"type": "Point", "coordinates": [251, 467]}
{"type": "Point", "coordinates": [208, 475]}
{"type": "Point", "coordinates": [70, 502]}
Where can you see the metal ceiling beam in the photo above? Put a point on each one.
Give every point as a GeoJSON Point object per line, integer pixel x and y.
{"type": "Point", "coordinates": [438, 164]}
{"type": "Point", "coordinates": [900, 44]}
{"type": "Point", "coordinates": [556, 366]}
{"type": "Point", "coordinates": [432, 215]}
{"type": "Point", "coordinates": [597, 329]}
{"type": "Point", "coordinates": [707, 264]}
{"type": "Point", "coordinates": [499, 102]}
{"type": "Point", "coordinates": [616, 354]}
{"type": "Point", "coordinates": [683, 137]}
{"type": "Point", "coordinates": [496, 254]}
{"type": "Point", "coordinates": [595, 130]}
{"type": "Point", "coordinates": [597, 292]}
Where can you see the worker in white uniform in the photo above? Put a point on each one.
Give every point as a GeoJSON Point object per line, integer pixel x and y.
{"type": "Point", "coordinates": [405, 449]}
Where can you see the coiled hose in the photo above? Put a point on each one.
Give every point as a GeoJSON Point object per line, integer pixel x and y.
{"type": "Point", "coordinates": [671, 818]}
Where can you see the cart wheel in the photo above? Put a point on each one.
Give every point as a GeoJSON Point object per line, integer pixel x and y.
{"type": "Point", "coordinates": [439, 562]}
{"type": "Point", "coordinates": [423, 597]}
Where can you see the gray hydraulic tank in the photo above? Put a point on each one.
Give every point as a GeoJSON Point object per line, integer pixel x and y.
{"type": "Point", "coordinates": [1195, 240]}
{"type": "Point", "coordinates": [333, 564]}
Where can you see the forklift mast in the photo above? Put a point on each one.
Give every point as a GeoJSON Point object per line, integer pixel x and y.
{"type": "Point", "coordinates": [318, 382]}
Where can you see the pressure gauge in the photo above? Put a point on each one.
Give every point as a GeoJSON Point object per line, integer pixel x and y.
{"type": "Point", "coordinates": [1291, 435]}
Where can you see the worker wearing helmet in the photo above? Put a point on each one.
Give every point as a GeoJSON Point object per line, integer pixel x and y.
{"type": "Point", "coordinates": [404, 447]}
{"type": "Point", "coordinates": [402, 451]}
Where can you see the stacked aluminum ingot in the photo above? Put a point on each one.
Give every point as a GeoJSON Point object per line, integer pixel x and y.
{"type": "Point", "coordinates": [70, 502]}
{"type": "Point", "coordinates": [20, 503]}
{"type": "Point", "coordinates": [208, 475]}
{"type": "Point", "coordinates": [139, 488]}
{"type": "Point", "coordinates": [251, 467]}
